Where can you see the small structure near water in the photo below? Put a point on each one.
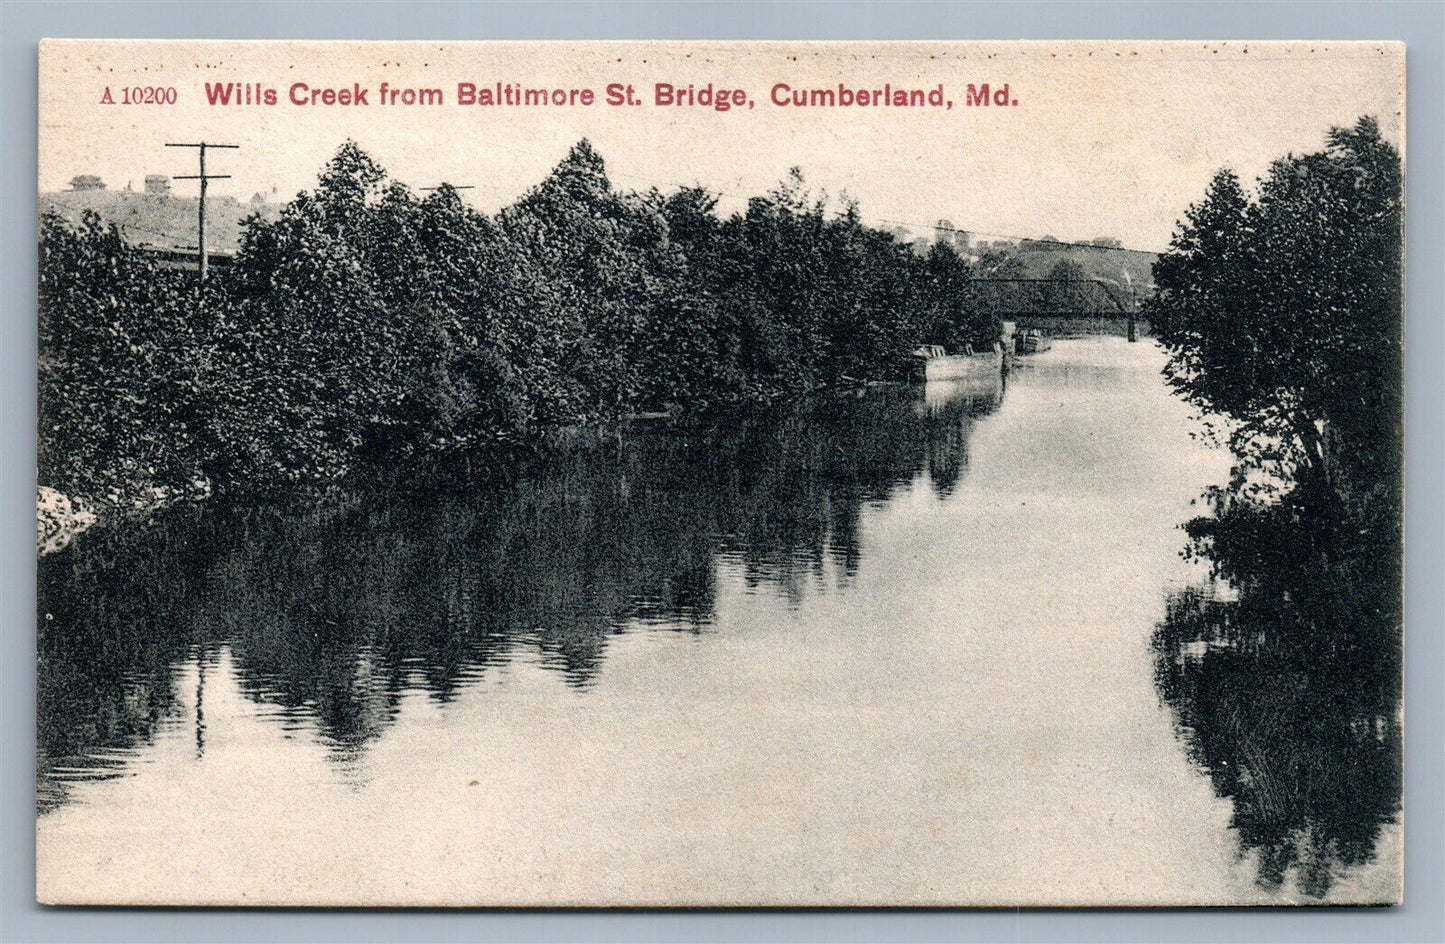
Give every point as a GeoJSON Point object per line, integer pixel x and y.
{"type": "Point", "coordinates": [1031, 341]}
{"type": "Point", "coordinates": [932, 362]}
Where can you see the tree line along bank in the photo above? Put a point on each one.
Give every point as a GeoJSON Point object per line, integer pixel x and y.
{"type": "Point", "coordinates": [365, 326]}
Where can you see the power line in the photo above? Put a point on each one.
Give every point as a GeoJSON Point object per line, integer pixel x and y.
{"type": "Point", "coordinates": [179, 241]}
{"type": "Point", "coordinates": [204, 178]}
{"type": "Point", "coordinates": [874, 219]}
{"type": "Point", "coordinates": [925, 226]}
{"type": "Point", "coordinates": [1032, 240]}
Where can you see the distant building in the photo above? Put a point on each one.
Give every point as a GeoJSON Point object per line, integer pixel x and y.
{"type": "Point", "coordinates": [946, 234]}
{"type": "Point", "coordinates": [87, 182]}
{"type": "Point", "coordinates": [158, 185]}
{"type": "Point", "coordinates": [257, 199]}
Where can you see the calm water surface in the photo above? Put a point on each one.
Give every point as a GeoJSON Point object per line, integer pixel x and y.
{"type": "Point", "coordinates": [914, 646]}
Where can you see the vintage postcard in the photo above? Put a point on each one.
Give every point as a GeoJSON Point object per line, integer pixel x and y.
{"type": "Point", "coordinates": [719, 474]}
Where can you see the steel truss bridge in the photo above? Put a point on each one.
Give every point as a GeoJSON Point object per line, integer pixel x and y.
{"type": "Point", "coordinates": [1046, 300]}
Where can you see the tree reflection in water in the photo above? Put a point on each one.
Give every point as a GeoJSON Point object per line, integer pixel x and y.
{"type": "Point", "coordinates": [1287, 690]}
{"type": "Point", "coordinates": [333, 614]}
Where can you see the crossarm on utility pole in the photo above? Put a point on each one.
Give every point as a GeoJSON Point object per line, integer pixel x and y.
{"type": "Point", "coordinates": [203, 177]}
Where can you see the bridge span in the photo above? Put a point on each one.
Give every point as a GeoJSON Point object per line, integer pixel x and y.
{"type": "Point", "coordinates": [1061, 306]}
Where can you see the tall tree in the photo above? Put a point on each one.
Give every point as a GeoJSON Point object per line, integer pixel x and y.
{"type": "Point", "coordinates": [1282, 312]}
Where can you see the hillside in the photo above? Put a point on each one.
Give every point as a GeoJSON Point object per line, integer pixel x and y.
{"type": "Point", "coordinates": [160, 220]}
{"type": "Point", "coordinates": [1098, 262]}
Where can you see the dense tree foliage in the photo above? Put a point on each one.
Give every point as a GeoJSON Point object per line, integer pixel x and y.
{"type": "Point", "coordinates": [120, 358]}
{"type": "Point", "coordinates": [1282, 312]}
{"type": "Point", "coordinates": [367, 325]}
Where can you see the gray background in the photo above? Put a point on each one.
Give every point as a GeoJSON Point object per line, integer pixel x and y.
{"type": "Point", "coordinates": [1421, 25]}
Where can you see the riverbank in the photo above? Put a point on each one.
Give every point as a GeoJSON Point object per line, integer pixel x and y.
{"type": "Point", "coordinates": [59, 518]}
{"type": "Point", "coordinates": [368, 327]}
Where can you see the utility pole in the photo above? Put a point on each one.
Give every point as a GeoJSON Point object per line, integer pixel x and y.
{"type": "Point", "coordinates": [203, 177]}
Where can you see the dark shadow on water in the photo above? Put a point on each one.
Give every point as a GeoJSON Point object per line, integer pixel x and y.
{"type": "Point", "coordinates": [1287, 689]}
{"type": "Point", "coordinates": [332, 614]}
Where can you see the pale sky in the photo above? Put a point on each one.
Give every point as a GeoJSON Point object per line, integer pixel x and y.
{"type": "Point", "coordinates": [1107, 139]}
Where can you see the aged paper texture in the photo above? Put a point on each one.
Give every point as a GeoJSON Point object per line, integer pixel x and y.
{"type": "Point", "coordinates": [698, 474]}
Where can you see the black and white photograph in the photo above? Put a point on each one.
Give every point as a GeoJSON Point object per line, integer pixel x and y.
{"type": "Point", "coordinates": [720, 474]}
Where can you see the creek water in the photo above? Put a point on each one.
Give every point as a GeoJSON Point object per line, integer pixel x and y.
{"type": "Point", "coordinates": [910, 646]}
